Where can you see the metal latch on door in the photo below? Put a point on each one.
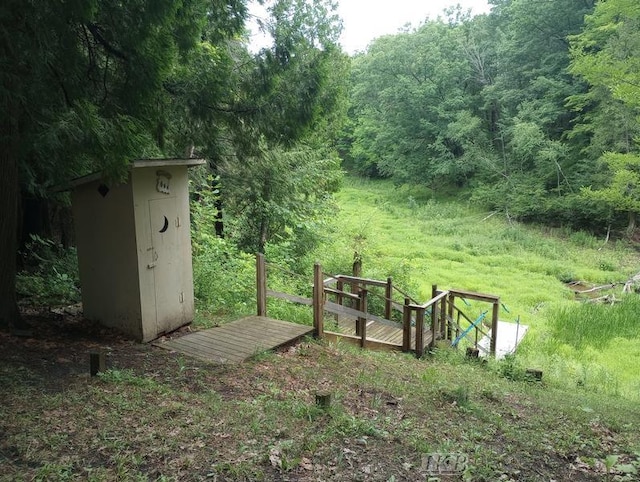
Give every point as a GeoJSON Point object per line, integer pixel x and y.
{"type": "Point", "coordinates": [154, 257]}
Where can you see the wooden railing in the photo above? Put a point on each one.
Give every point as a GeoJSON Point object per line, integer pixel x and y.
{"type": "Point", "coordinates": [480, 329]}
{"type": "Point", "coordinates": [347, 297]}
{"type": "Point", "coordinates": [435, 306]}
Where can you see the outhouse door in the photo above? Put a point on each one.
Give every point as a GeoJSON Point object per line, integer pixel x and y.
{"type": "Point", "coordinates": [169, 295]}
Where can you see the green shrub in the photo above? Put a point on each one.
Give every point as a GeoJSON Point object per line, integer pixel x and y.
{"type": "Point", "coordinates": [49, 275]}
{"type": "Point", "coordinates": [223, 276]}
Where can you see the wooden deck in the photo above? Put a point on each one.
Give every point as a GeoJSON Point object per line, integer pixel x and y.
{"type": "Point", "coordinates": [238, 340]}
{"type": "Point", "coordinates": [388, 333]}
{"type": "Point", "coordinates": [510, 335]}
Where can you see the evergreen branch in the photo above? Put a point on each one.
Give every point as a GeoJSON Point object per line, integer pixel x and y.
{"type": "Point", "coordinates": [95, 32]}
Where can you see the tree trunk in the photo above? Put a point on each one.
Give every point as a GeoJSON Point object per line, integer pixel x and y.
{"type": "Point", "coordinates": [9, 316]}
{"type": "Point", "coordinates": [631, 227]}
{"type": "Point", "coordinates": [264, 235]}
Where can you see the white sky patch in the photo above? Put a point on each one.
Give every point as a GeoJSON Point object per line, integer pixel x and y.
{"type": "Point", "coordinates": [365, 20]}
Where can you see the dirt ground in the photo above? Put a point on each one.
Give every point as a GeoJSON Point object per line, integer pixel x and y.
{"type": "Point", "coordinates": [54, 361]}
{"type": "Point", "coordinates": [57, 349]}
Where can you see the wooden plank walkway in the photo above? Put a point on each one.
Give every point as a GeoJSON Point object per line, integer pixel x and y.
{"type": "Point", "coordinates": [509, 337]}
{"type": "Point", "coordinates": [238, 340]}
{"type": "Point", "coordinates": [382, 332]}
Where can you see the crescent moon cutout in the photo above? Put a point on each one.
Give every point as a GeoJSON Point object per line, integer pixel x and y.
{"type": "Point", "coordinates": [166, 225]}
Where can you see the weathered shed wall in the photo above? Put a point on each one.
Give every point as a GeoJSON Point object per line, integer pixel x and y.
{"type": "Point", "coordinates": [107, 256]}
{"type": "Point", "coordinates": [134, 248]}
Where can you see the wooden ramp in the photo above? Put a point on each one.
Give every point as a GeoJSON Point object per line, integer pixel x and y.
{"type": "Point", "coordinates": [238, 340]}
{"type": "Point", "coordinates": [509, 337]}
{"type": "Point", "coordinates": [385, 332]}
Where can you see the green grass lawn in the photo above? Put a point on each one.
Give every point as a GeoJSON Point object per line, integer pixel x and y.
{"type": "Point", "coordinates": [422, 240]}
{"type": "Point", "coordinates": [159, 416]}
{"type": "Point", "coordinates": [155, 415]}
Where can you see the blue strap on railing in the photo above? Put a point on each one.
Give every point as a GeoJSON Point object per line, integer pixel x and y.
{"type": "Point", "coordinates": [471, 327]}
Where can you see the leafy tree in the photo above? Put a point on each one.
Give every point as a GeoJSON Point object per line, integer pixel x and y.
{"type": "Point", "coordinates": [607, 55]}
{"type": "Point", "coordinates": [409, 95]}
{"type": "Point", "coordinates": [531, 168]}
{"type": "Point", "coordinates": [81, 84]}
{"type": "Point", "coordinates": [280, 196]}
{"type": "Point", "coordinates": [88, 86]}
{"type": "Point", "coordinates": [622, 191]}
{"type": "Point", "coordinates": [283, 167]}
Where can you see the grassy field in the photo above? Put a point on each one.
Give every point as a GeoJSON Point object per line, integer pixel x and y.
{"type": "Point", "coordinates": [421, 240]}
{"type": "Point", "coordinates": [154, 415]}
{"type": "Point", "coordinates": [159, 416]}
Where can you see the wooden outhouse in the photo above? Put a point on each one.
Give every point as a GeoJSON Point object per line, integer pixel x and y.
{"type": "Point", "coordinates": [134, 248]}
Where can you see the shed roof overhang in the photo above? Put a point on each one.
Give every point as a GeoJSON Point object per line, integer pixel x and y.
{"type": "Point", "coordinates": [136, 164]}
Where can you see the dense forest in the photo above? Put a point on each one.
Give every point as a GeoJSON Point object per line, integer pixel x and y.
{"type": "Point", "coordinates": [531, 111]}
{"type": "Point", "coordinates": [89, 86]}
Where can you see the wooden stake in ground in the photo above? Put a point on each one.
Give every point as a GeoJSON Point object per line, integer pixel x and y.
{"type": "Point", "coordinates": [97, 363]}
{"type": "Point", "coordinates": [323, 400]}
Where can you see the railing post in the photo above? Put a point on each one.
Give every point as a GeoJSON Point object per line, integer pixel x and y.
{"type": "Point", "coordinates": [388, 302]}
{"type": "Point", "coordinates": [434, 314]}
{"type": "Point", "coordinates": [446, 326]}
{"type": "Point", "coordinates": [451, 300]}
{"type": "Point", "coordinates": [361, 324]}
{"type": "Point", "coordinates": [339, 297]}
{"type": "Point", "coordinates": [261, 285]}
{"type": "Point", "coordinates": [420, 331]}
{"type": "Point", "coordinates": [357, 273]}
{"type": "Point", "coordinates": [494, 327]}
{"type": "Point", "coordinates": [406, 325]}
{"type": "Point", "coordinates": [318, 301]}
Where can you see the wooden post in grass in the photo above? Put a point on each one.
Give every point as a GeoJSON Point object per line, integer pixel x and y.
{"type": "Point", "coordinates": [388, 302]}
{"type": "Point", "coordinates": [534, 374]}
{"type": "Point", "coordinates": [472, 352]}
{"type": "Point", "coordinates": [446, 326]}
{"type": "Point", "coordinates": [406, 325]}
{"type": "Point", "coordinates": [323, 400]}
{"type": "Point", "coordinates": [361, 322]}
{"type": "Point", "coordinates": [97, 362]}
{"type": "Point", "coordinates": [420, 331]}
{"type": "Point", "coordinates": [261, 285]}
{"type": "Point", "coordinates": [339, 297]}
{"type": "Point", "coordinates": [451, 300]}
{"type": "Point", "coordinates": [434, 313]}
{"type": "Point", "coordinates": [494, 327]}
{"type": "Point", "coordinates": [318, 301]}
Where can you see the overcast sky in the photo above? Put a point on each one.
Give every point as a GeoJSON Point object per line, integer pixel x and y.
{"type": "Point", "coordinates": [364, 20]}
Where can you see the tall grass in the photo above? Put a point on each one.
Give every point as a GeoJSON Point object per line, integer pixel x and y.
{"type": "Point", "coordinates": [596, 325]}
{"type": "Point", "coordinates": [421, 239]}
{"type": "Point", "coordinates": [595, 346]}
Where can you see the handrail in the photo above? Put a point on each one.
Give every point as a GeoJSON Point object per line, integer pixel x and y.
{"type": "Point", "coordinates": [475, 296]}
{"type": "Point", "coordinates": [405, 295]}
{"type": "Point", "coordinates": [440, 309]}
{"type": "Point", "coordinates": [329, 280]}
{"type": "Point", "coordinates": [476, 325]}
{"type": "Point", "coordinates": [356, 279]}
{"type": "Point", "coordinates": [469, 328]}
{"type": "Point", "coordinates": [469, 319]}
{"type": "Point", "coordinates": [431, 302]}
{"type": "Point", "coordinates": [347, 294]}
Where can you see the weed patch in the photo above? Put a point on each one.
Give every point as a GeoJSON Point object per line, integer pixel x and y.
{"type": "Point", "coordinates": [155, 416]}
